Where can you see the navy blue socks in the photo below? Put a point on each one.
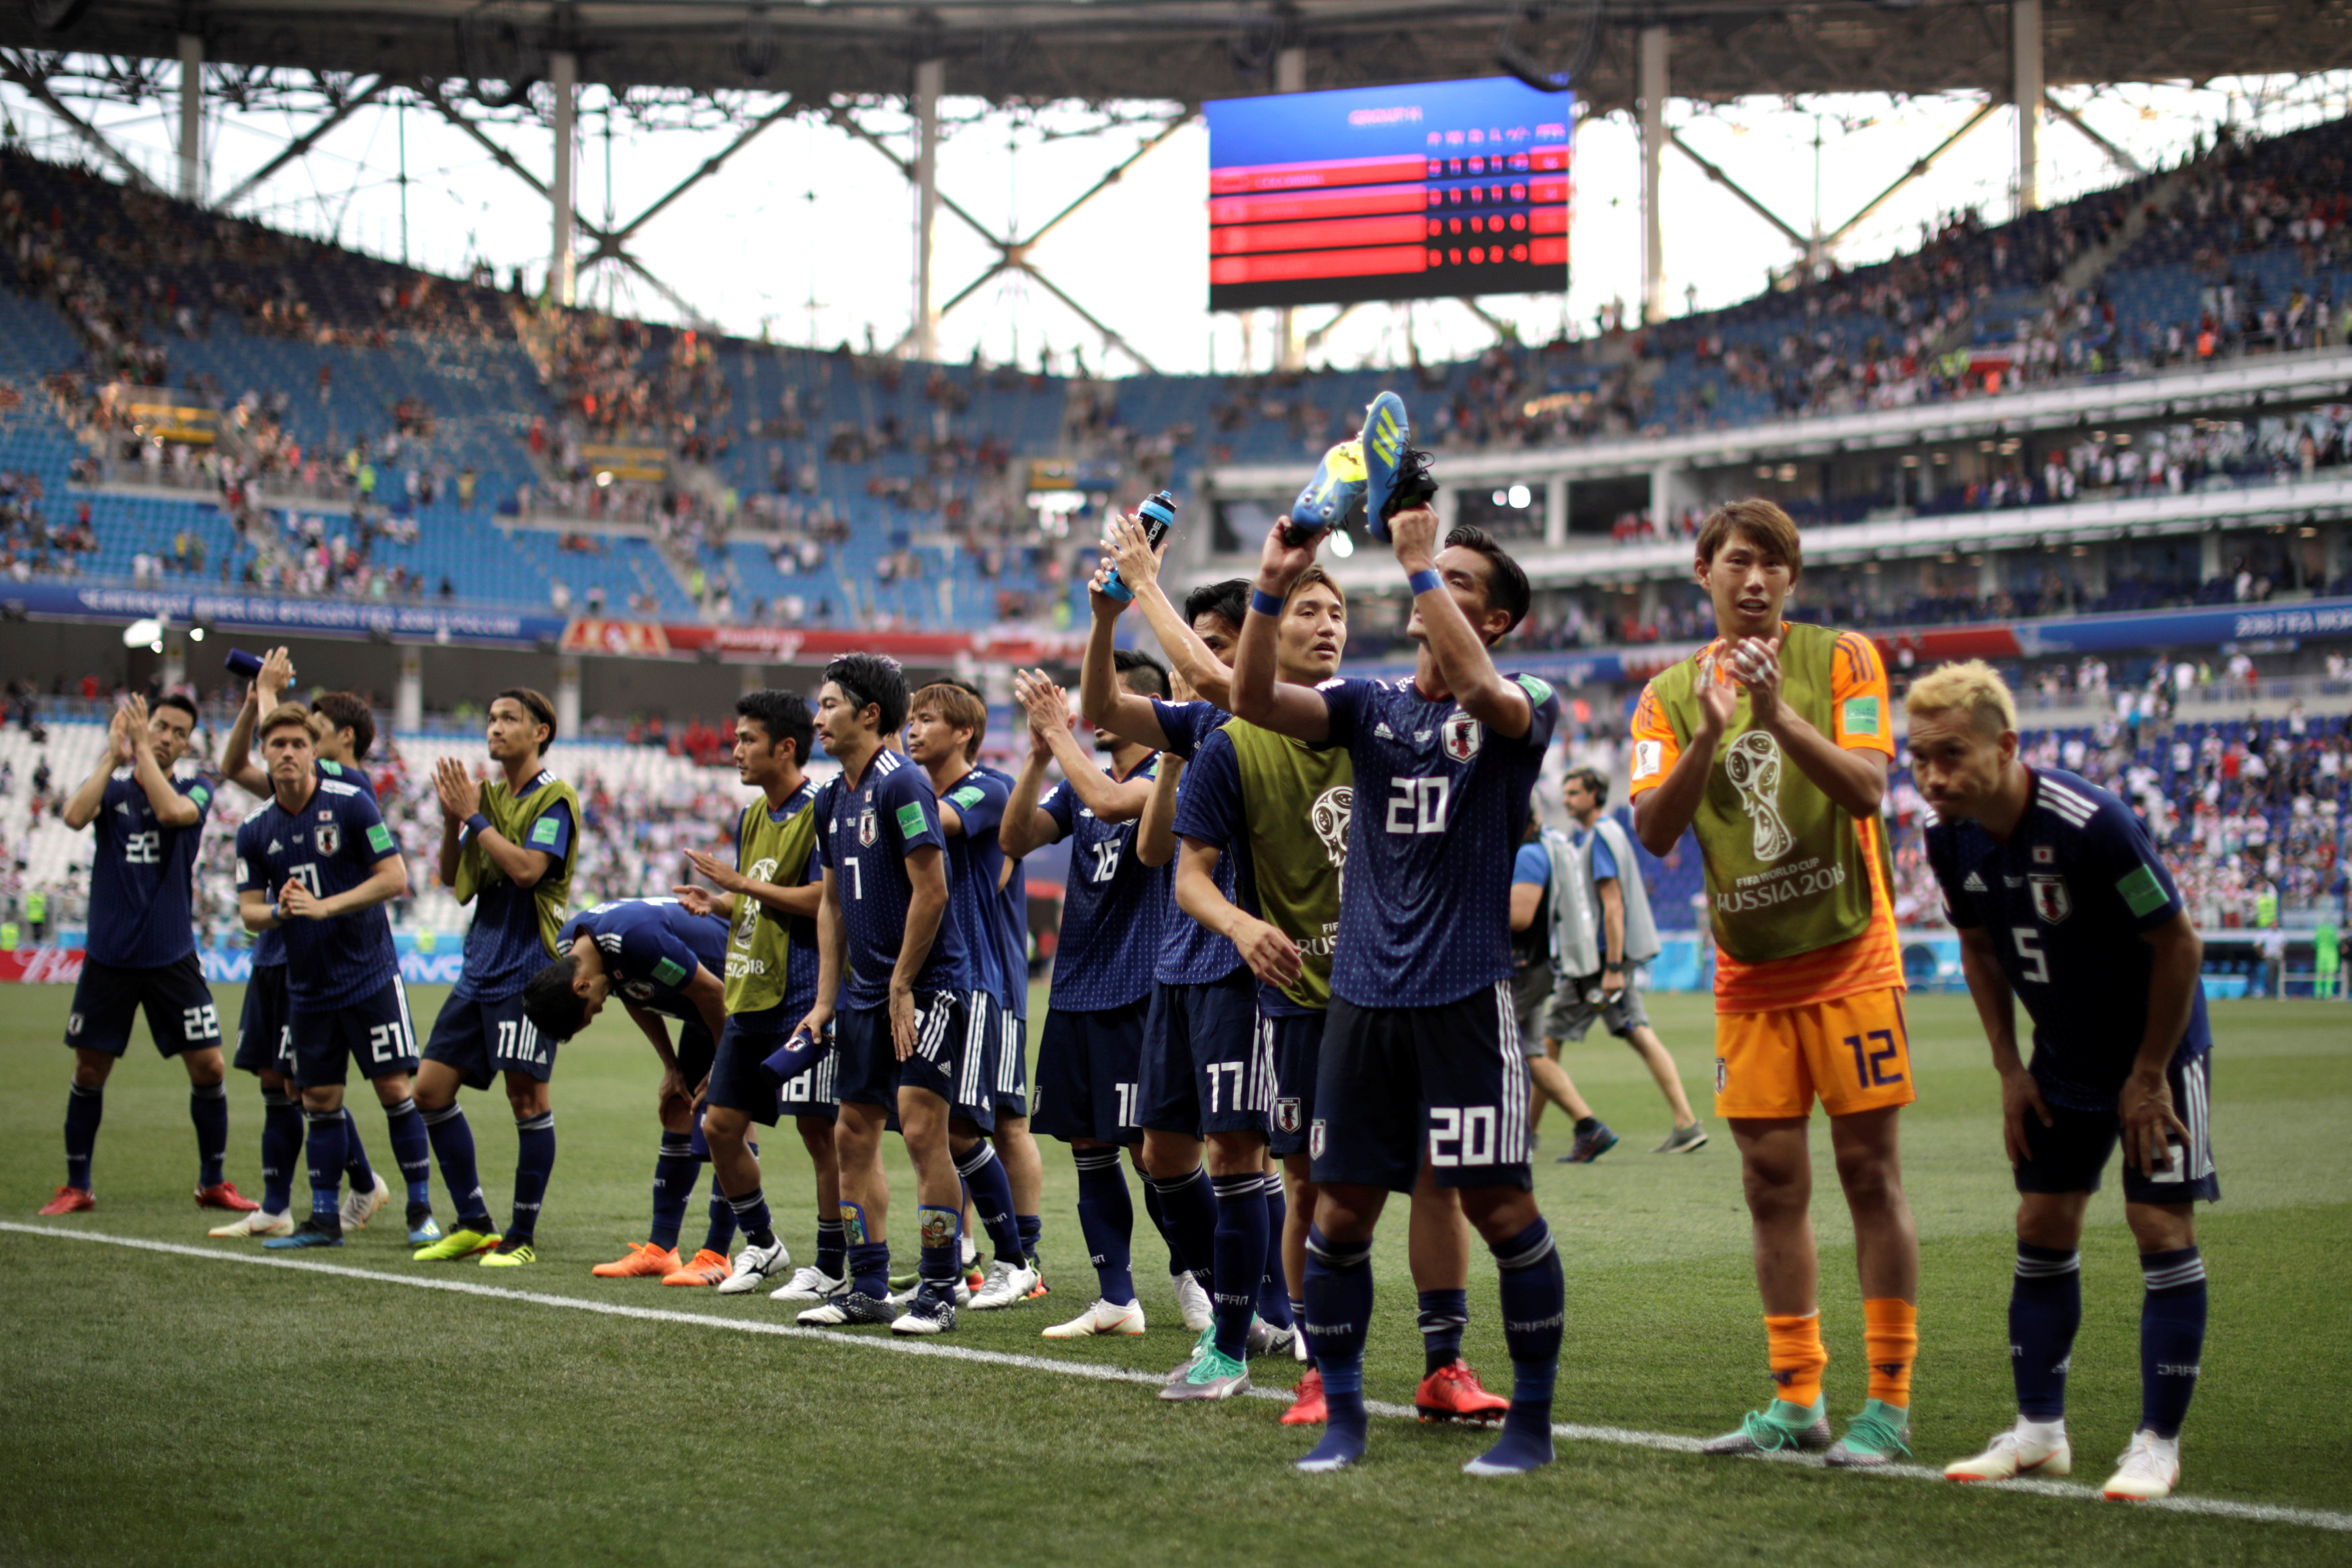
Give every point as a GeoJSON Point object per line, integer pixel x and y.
{"type": "Point", "coordinates": [1188, 1211]}
{"type": "Point", "coordinates": [1238, 1246]}
{"type": "Point", "coordinates": [2046, 1308]}
{"type": "Point", "coordinates": [323, 1143]}
{"type": "Point", "coordinates": [992, 1201]}
{"type": "Point", "coordinates": [534, 1161]}
{"type": "Point", "coordinates": [1443, 1317]}
{"type": "Point", "coordinates": [282, 1145]}
{"type": "Point", "coordinates": [1535, 1306]}
{"type": "Point", "coordinates": [453, 1147]}
{"type": "Point", "coordinates": [356, 1167]}
{"type": "Point", "coordinates": [2171, 1337]}
{"type": "Point", "coordinates": [208, 1109]}
{"type": "Point", "coordinates": [1338, 1312]}
{"type": "Point", "coordinates": [84, 1107]}
{"type": "Point", "coordinates": [412, 1151]}
{"type": "Point", "coordinates": [1106, 1220]}
{"type": "Point", "coordinates": [676, 1170]}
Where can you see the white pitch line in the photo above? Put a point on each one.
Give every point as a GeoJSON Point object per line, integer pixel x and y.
{"type": "Point", "coordinates": [1618, 1436]}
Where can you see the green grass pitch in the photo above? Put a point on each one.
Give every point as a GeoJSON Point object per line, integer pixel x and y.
{"type": "Point", "coordinates": [161, 1408]}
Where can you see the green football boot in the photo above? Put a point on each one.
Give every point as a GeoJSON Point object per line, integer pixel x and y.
{"type": "Point", "coordinates": [459, 1243]}
{"type": "Point", "coordinates": [1873, 1437]}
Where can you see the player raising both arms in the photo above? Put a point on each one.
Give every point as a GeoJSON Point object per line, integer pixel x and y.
{"type": "Point", "coordinates": [1276, 811]}
{"type": "Point", "coordinates": [2062, 903]}
{"type": "Point", "coordinates": [1421, 1059]}
{"type": "Point", "coordinates": [141, 948]}
{"type": "Point", "coordinates": [507, 847]}
{"type": "Point", "coordinates": [318, 863]}
{"type": "Point", "coordinates": [1772, 743]}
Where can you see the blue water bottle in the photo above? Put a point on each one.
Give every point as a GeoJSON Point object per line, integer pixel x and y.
{"type": "Point", "coordinates": [245, 666]}
{"type": "Point", "coordinates": [1159, 515]}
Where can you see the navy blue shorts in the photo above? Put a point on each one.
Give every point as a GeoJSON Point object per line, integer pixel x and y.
{"type": "Point", "coordinates": [375, 1031]}
{"type": "Point", "coordinates": [869, 1073]}
{"type": "Point", "coordinates": [1088, 1070]}
{"type": "Point", "coordinates": [1007, 1071]}
{"type": "Point", "coordinates": [2071, 1156]}
{"type": "Point", "coordinates": [1295, 1040]}
{"type": "Point", "coordinates": [180, 1011]}
{"type": "Point", "coordinates": [263, 1044]}
{"type": "Point", "coordinates": [736, 1082]}
{"type": "Point", "coordinates": [483, 1039]}
{"type": "Point", "coordinates": [1399, 1085]}
{"type": "Point", "coordinates": [1204, 1067]}
{"type": "Point", "coordinates": [694, 1050]}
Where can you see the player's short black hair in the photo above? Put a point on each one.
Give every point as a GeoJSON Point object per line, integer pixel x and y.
{"type": "Point", "coordinates": [1141, 672]}
{"type": "Point", "coordinates": [186, 705]}
{"type": "Point", "coordinates": [783, 715]}
{"type": "Point", "coordinates": [1594, 783]}
{"type": "Point", "coordinates": [1229, 599]}
{"type": "Point", "coordinates": [553, 1008]}
{"type": "Point", "coordinates": [541, 711]}
{"type": "Point", "coordinates": [1506, 585]}
{"type": "Point", "coordinates": [348, 710]}
{"type": "Point", "coordinates": [872, 678]}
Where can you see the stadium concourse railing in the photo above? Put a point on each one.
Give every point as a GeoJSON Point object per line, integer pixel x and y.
{"type": "Point", "coordinates": [2242, 383]}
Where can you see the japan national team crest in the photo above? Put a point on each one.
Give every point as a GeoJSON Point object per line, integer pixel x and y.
{"type": "Point", "coordinates": [1315, 1139]}
{"type": "Point", "coordinates": [330, 838]}
{"type": "Point", "coordinates": [866, 828]}
{"type": "Point", "coordinates": [1464, 736]}
{"type": "Point", "coordinates": [1285, 1113]}
{"type": "Point", "coordinates": [2051, 901]}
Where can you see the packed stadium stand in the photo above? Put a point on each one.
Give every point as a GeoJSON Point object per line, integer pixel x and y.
{"type": "Point", "coordinates": [189, 396]}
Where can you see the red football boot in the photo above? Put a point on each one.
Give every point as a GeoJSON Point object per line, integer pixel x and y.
{"type": "Point", "coordinates": [70, 1200]}
{"type": "Point", "coordinates": [224, 1195]}
{"type": "Point", "coordinates": [1306, 1408]}
{"type": "Point", "coordinates": [1453, 1394]}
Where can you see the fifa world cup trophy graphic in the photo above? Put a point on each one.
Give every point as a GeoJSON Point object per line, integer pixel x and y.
{"type": "Point", "coordinates": [1329, 817]}
{"type": "Point", "coordinates": [1753, 766]}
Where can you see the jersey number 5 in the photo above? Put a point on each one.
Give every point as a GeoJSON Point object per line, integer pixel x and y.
{"type": "Point", "coordinates": [2033, 964]}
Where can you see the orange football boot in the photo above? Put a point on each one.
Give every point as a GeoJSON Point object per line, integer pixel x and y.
{"type": "Point", "coordinates": [643, 1260]}
{"type": "Point", "coordinates": [1453, 1393]}
{"type": "Point", "coordinates": [707, 1268]}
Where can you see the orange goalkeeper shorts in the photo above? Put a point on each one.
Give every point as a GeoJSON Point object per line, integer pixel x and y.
{"type": "Point", "coordinates": [1854, 1052]}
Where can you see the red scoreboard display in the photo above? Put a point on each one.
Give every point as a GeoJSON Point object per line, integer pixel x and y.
{"type": "Point", "coordinates": [1431, 191]}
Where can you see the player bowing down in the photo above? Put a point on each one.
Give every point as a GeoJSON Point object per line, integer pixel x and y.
{"type": "Point", "coordinates": [2062, 904]}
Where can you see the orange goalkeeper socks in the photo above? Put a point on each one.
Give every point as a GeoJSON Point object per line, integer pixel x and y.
{"type": "Point", "coordinates": [1797, 1358]}
{"type": "Point", "coordinates": [1890, 1335]}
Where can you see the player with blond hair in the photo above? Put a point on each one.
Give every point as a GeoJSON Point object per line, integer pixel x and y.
{"type": "Point", "coordinates": [2063, 903]}
{"type": "Point", "coordinates": [1772, 743]}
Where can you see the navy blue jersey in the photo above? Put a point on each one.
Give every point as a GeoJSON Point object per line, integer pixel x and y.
{"type": "Point", "coordinates": [1112, 906]}
{"type": "Point", "coordinates": [863, 833]}
{"type": "Point", "coordinates": [1440, 804]}
{"type": "Point", "coordinates": [975, 861]}
{"type": "Point", "coordinates": [1210, 809]}
{"type": "Point", "coordinates": [331, 845]}
{"type": "Point", "coordinates": [502, 946]}
{"type": "Point", "coordinates": [270, 947]}
{"type": "Point", "coordinates": [801, 957]}
{"type": "Point", "coordinates": [1012, 917]}
{"type": "Point", "coordinates": [1190, 952]}
{"type": "Point", "coordinates": [141, 876]}
{"type": "Point", "coordinates": [652, 948]}
{"type": "Point", "coordinates": [2066, 900]}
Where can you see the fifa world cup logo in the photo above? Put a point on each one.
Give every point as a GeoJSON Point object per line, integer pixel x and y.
{"type": "Point", "coordinates": [1753, 766]}
{"type": "Point", "coordinates": [1329, 817]}
{"type": "Point", "coordinates": [747, 908]}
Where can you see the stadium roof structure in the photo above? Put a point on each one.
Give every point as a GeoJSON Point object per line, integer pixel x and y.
{"type": "Point", "coordinates": [1187, 50]}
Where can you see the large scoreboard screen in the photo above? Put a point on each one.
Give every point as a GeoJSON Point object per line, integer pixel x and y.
{"type": "Point", "coordinates": [1420, 191]}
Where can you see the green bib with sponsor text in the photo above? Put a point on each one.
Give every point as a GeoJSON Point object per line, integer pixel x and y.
{"type": "Point", "coordinates": [512, 816]}
{"type": "Point", "coordinates": [759, 942]}
{"type": "Point", "coordinates": [1785, 873]}
{"type": "Point", "coordinates": [1287, 787]}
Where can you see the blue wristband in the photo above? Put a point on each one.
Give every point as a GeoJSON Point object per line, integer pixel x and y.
{"type": "Point", "coordinates": [1423, 581]}
{"type": "Point", "coordinates": [475, 825]}
{"type": "Point", "coordinates": [1266, 603]}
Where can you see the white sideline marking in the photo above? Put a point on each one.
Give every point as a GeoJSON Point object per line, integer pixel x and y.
{"type": "Point", "coordinates": [1620, 1436]}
